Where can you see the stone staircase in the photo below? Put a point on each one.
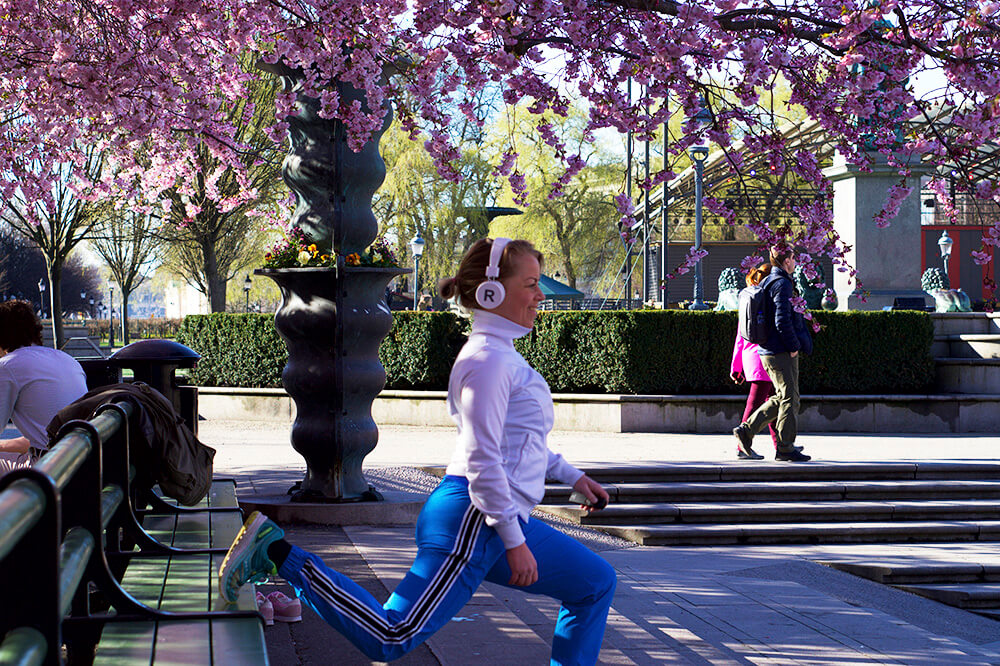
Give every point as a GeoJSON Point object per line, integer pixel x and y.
{"type": "Point", "coordinates": [966, 351]}
{"type": "Point", "coordinates": [968, 585]}
{"type": "Point", "coordinates": [769, 503]}
{"type": "Point", "coordinates": [79, 344]}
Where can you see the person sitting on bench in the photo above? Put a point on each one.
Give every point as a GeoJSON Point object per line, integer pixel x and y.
{"type": "Point", "coordinates": [35, 383]}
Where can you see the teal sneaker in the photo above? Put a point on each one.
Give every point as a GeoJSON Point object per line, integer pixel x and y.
{"type": "Point", "coordinates": [247, 559]}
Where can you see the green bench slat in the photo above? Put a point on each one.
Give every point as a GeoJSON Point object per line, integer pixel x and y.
{"type": "Point", "coordinates": [182, 643]}
{"type": "Point", "coordinates": [238, 641]}
{"type": "Point", "coordinates": [126, 643]}
{"type": "Point", "coordinates": [222, 493]}
{"type": "Point", "coordinates": [187, 583]}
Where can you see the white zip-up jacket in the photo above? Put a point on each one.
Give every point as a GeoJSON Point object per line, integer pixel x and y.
{"type": "Point", "coordinates": [504, 413]}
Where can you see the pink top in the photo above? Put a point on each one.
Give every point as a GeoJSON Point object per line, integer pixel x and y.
{"type": "Point", "coordinates": [747, 361]}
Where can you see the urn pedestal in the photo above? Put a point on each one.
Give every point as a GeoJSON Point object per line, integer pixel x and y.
{"type": "Point", "coordinates": [333, 321]}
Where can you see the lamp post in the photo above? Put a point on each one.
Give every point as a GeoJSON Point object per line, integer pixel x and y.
{"type": "Point", "coordinates": [698, 154]}
{"type": "Point", "coordinates": [247, 284]}
{"type": "Point", "coordinates": [83, 300]}
{"type": "Point", "coordinates": [41, 294]}
{"type": "Point", "coordinates": [945, 243]}
{"type": "Point", "coordinates": [111, 318]}
{"type": "Point", "coordinates": [91, 311]}
{"type": "Point", "coordinates": [417, 248]}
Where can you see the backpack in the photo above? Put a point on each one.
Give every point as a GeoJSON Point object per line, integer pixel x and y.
{"type": "Point", "coordinates": [755, 325]}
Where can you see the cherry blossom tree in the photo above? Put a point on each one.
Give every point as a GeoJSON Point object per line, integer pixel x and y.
{"type": "Point", "coordinates": [120, 73]}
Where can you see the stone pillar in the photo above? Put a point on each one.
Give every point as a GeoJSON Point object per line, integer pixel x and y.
{"type": "Point", "coordinates": [887, 260]}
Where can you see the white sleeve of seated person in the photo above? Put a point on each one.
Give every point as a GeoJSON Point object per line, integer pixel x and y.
{"type": "Point", "coordinates": [8, 396]}
{"type": "Point", "coordinates": [483, 408]}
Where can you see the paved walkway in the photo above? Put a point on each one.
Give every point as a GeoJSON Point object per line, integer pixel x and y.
{"type": "Point", "coordinates": [708, 605]}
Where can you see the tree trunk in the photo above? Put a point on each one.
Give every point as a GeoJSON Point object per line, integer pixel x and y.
{"type": "Point", "coordinates": [214, 282]}
{"type": "Point", "coordinates": [55, 304]}
{"type": "Point", "coordinates": [125, 332]}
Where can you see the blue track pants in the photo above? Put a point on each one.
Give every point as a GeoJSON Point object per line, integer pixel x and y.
{"type": "Point", "coordinates": [456, 552]}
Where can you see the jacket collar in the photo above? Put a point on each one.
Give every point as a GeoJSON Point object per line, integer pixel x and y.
{"type": "Point", "coordinates": [488, 323]}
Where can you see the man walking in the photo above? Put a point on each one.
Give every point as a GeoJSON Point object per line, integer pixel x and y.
{"type": "Point", "coordinates": [779, 355]}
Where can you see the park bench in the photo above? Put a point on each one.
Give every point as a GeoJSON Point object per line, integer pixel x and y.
{"type": "Point", "coordinates": [89, 562]}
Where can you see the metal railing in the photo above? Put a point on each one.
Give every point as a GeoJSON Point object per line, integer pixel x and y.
{"type": "Point", "coordinates": [63, 524]}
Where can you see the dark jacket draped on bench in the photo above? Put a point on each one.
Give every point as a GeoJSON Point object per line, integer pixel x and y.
{"type": "Point", "coordinates": [163, 451]}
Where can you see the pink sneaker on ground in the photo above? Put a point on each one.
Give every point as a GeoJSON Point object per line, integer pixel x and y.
{"type": "Point", "coordinates": [266, 609]}
{"type": "Point", "coordinates": [286, 609]}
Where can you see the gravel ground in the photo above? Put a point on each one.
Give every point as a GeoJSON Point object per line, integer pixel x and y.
{"type": "Point", "coordinates": [414, 480]}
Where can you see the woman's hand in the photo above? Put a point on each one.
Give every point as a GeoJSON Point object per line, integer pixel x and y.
{"type": "Point", "coordinates": [737, 377]}
{"type": "Point", "coordinates": [523, 568]}
{"type": "Point", "coordinates": [592, 490]}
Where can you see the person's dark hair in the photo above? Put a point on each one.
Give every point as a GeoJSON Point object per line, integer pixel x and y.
{"type": "Point", "coordinates": [757, 274]}
{"type": "Point", "coordinates": [19, 327]}
{"type": "Point", "coordinates": [472, 270]}
{"type": "Point", "coordinates": [779, 254]}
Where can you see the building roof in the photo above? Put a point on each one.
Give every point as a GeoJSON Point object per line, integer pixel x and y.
{"type": "Point", "coordinates": [557, 290]}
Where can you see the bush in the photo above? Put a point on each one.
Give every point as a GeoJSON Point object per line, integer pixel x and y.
{"type": "Point", "coordinates": [138, 329]}
{"type": "Point", "coordinates": [420, 349]}
{"type": "Point", "coordinates": [677, 352]}
{"type": "Point", "coordinates": [236, 350]}
{"type": "Point", "coordinates": [640, 351]}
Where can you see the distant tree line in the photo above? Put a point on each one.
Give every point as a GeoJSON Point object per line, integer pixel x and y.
{"type": "Point", "coordinates": [22, 264]}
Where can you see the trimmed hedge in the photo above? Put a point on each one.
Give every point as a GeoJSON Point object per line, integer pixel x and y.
{"type": "Point", "coordinates": [683, 352]}
{"type": "Point", "coordinates": [643, 351]}
{"type": "Point", "coordinates": [420, 349]}
{"type": "Point", "coordinates": [236, 350]}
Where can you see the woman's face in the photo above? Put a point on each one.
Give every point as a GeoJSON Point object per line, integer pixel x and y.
{"type": "Point", "coordinates": [520, 305]}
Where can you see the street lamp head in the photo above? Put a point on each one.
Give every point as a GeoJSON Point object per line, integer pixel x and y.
{"type": "Point", "coordinates": [699, 153]}
{"type": "Point", "coordinates": [417, 246]}
{"type": "Point", "coordinates": [41, 285]}
{"type": "Point", "coordinates": [83, 295]}
{"type": "Point", "coordinates": [945, 243]}
{"type": "Point", "coordinates": [247, 283]}
{"type": "Point", "coordinates": [704, 115]}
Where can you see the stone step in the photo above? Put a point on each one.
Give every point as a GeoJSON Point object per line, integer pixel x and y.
{"type": "Point", "coordinates": [813, 533]}
{"type": "Point", "coordinates": [960, 595]}
{"type": "Point", "coordinates": [777, 512]}
{"type": "Point", "coordinates": [889, 573]}
{"type": "Point", "coordinates": [967, 375]}
{"type": "Point", "coordinates": [967, 345]}
{"type": "Point", "coordinates": [743, 471]}
{"type": "Point", "coordinates": [931, 489]}
{"type": "Point", "coordinates": [950, 323]}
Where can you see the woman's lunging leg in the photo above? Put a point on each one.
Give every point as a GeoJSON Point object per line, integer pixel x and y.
{"type": "Point", "coordinates": [440, 581]}
{"type": "Point", "coordinates": [583, 581]}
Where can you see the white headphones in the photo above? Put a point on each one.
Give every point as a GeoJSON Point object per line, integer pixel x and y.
{"type": "Point", "coordinates": [490, 294]}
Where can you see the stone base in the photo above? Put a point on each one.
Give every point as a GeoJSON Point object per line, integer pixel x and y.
{"type": "Point", "coordinates": [399, 508]}
{"type": "Point", "coordinates": [880, 298]}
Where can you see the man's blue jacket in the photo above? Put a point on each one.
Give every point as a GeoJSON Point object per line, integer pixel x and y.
{"type": "Point", "coordinates": [788, 332]}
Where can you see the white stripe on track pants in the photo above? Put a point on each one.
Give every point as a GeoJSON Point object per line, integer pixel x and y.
{"type": "Point", "coordinates": [456, 552]}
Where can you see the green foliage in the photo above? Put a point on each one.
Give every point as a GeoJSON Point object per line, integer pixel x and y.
{"type": "Point", "coordinates": [236, 350]}
{"type": "Point", "coordinates": [934, 278]}
{"type": "Point", "coordinates": [809, 289]}
{"type": "Point", "coordinates": [139, 329]}
{"type": "Point", "coordinates": [420, 349]}
{"type": "Point", "coordinates": [640, 351]}
{"type": "Point", "coordinates": [870, 352]}
{"type": "Point", "coordinates": [730, 278]}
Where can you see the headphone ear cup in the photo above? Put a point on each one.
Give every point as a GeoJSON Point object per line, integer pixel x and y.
{"type": "Point", "coordinates": [490, 294]}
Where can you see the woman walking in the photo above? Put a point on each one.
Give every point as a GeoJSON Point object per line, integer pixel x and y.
{"type": "Point", "coordinates": [746, 366]}
{"type": "Point", "coordinates": [476, 525]}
